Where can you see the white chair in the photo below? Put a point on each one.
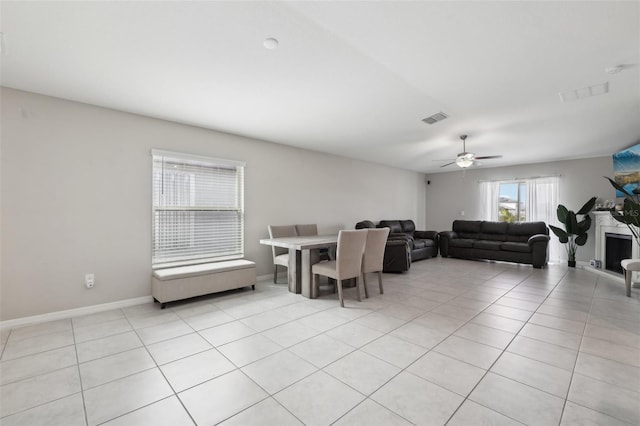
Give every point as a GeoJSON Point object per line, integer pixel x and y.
{"type": "Point", "coordinates": [373, 257]}
{"type": "Point", "coordinates": [307, 230]}
{"type": "Point", "coordinates": [629, 265]}
{"type": "Point", "coordinates": [348, 263]}
{"type": "Point", "coordinates": [311, 229]}
{"type": "Point", "coordinates": [280, 255]}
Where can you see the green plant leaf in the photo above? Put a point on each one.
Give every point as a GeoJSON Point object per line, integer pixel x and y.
{"type": "Point", "coordinates": [562, 236]}
{"type": "Point", "coordinates": [619, 188]}
{"type": "Point", "coordinates": [572, 223]}
{"type": "Point", "coordinates": [584, 225]}
{"type": "Point", "coordinates": [562, 213]}
{"type": "Point", "coordinates": [581, 239]}
{"type": "Point", "coordinates": [588, 206]}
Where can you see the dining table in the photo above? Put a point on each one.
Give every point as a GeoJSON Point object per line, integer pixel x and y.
{"type": "Point", "coordinates": [303, 253]}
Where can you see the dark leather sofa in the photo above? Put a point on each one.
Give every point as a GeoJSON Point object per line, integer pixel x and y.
{"type": "Point", "coordinates": [404, 244]}
{"type": "Point", "coordinates": [524, 242]}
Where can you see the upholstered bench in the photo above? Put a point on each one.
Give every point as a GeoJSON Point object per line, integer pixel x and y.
{"type": "Point", "coordinates": [183, 282]}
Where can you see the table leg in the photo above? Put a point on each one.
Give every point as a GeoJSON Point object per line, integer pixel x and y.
{"type": "Point", "coordinates": [294, 271]}
{"type": "Point", "coordinates": [309, 258]}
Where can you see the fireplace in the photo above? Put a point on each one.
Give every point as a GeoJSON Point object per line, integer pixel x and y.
{"type": "Point", "coordinates": [617, 247]}
{"type": "Point", "coordinates": [613, 236]}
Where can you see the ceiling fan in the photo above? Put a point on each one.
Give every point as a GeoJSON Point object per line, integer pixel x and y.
{"type": "Point", "coordinates": [467, 159]}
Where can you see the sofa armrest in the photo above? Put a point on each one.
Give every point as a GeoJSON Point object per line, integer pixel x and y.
{"type": "Point", "coordinates": [539, 254]}
{"type": "Point", "coordinates": [401, 237]}
{"type": "Point", "coordinates": [538, 238]}
{"type": "Point", "coordinates": [426, 235]}
{"type": "Point", "coordinates": [444, 238]}
{"type": "Point", "coordinates": [397, 256]}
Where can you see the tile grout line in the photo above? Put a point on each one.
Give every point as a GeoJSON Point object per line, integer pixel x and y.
{"type": "Point", "coordinates": [573, 372]}
{"type": "Point", "coordinates": [499, 356]}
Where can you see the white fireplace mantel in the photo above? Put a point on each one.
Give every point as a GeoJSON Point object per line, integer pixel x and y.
{"type": "Point", "coordinates": [605, 223]}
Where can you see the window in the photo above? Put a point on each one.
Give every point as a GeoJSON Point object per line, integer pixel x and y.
{"type": "Point", "coordinates": [198, 209]}
{"type": "Point", "coordinates": [533, 199]}
{"type": "Point", "coordinates": [512, 202]}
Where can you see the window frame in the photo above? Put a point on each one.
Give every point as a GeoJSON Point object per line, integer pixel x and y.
{"type": "Point", "coordinates": [202, 161]}
{"type": "Point", "coordinates": [521, 184]}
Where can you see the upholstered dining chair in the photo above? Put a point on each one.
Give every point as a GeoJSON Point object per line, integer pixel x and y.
{"type": "Point", "coordinates": [307, 230]}
{"type": "Point", "coordinates": [280, 255]}
{"type": "Point", "coordinates": [310, 230]}
{"type": "Point", "coordinates": [372, 260]}
{"type": "Point", "coordinates": [348, 263]}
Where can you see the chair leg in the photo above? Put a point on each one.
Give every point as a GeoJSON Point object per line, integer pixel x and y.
{"type": "Point", "coordinates": [314, 284]}
{"type": "Point", "coordinates": [380, 281]}
{"type": "Point", "coordinates": [364, 283]}
{"type": "Point", "coordinates": [358, 288]}
{"type": "Point", "coordinates": [339, 284]}
{"type": "Point", "coordinates": [627, 281]}
{"type": "Point", "coordinates": [275, 274]}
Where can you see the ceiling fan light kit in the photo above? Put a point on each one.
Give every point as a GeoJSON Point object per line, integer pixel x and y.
{"type": "Point", "coordinates": [467, 159]}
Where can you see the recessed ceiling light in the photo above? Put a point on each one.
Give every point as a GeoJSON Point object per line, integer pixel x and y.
{"type": "Point", "coordinates": [270, 43]}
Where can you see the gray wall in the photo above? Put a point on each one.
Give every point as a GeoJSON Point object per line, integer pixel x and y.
{"type": "Point", "coordinates": [449, 194]}
{"type": "Point", "coordinates": [76, 198]}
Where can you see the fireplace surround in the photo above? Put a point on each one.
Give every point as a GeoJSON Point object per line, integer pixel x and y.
{"type": "Point", "coordinates": [605, 224]}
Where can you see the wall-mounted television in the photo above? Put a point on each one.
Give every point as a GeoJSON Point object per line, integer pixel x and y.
{"type": "Point", "coordinates": [626, 169]}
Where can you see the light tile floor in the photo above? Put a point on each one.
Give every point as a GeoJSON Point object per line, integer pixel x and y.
{"type": "Point", "coordinates": [450, 342]}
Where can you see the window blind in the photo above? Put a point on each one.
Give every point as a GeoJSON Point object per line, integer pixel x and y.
{"type": "Point", "coordinates": [198, 209]}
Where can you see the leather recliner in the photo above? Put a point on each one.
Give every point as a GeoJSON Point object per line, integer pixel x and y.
{"type": "Point", "coordinates": [423, 244]}
{"type": "Point", "coordinates": [397, 254]}
{"type": "Point", "coordinates": [404, 244]}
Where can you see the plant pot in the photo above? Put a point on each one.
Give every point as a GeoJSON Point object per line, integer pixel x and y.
{"type": "Point", "coordinates": [571, 263]}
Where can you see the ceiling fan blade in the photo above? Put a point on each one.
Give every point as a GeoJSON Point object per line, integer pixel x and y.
{"type": "Point", "coordinates": [445, 159]}
{"type": "Point", "coordinates": [448, 164]}
{"type": "Point", "coordinates": [486, 157]}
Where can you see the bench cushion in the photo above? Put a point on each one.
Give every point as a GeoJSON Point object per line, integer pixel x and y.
{"type": "Point", "coordinates": [201, 269]}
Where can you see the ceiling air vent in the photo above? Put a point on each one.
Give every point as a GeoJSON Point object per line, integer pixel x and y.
{"type": "Point", "coordinates": [439, 116]}
{"type": "Point", "coordinates": [585, 92]}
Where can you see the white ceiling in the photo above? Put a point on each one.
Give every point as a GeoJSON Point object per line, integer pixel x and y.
{"type": "Point", "coordinates": [348, 78]}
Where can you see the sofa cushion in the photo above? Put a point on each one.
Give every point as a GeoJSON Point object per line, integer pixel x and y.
{"type": "Point", "coordinates": [461, 242]}
{"type": "Point", "coordinates": [517, 247]}
{"type": "Point", "coordinates": [493, 231]}
{"type": "Point", "coordinates": [408, 227]}
{"type": "Point", "coordinates": [467, 228]}
{"type": "Point", "coordinates": [420, 243]}
{"type": "Point", "coordinates": [520, 232]}
{"type": "Point", "coordinates": [487, 245]}
{"type": "Point", "coordinates": [365, 224]}
{"type": "Point", "coordinates": [393, 225]}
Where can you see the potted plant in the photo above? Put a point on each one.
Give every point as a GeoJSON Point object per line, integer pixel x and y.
{"type": "Point", "coordinates": [574, 233]}
{"type": "Point", "coordinates": [630, 213]}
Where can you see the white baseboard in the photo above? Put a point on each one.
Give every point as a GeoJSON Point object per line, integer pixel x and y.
{"type": "Point", "coordinates": [86, 310]}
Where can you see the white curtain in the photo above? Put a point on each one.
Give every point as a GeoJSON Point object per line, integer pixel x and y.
{"type": "Point", "coordinates": [489, 200]}
{"type": "Point", "coordinates": [541, 205]}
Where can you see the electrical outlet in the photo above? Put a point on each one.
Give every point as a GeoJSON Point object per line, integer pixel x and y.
{"type": "Point", "coordinates": [89, 280]}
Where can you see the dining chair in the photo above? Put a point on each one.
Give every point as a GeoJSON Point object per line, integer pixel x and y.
{"type": "Point", "coordinates": [348, 263]}
{"type": "Point", "coordinates": [307, 230]}
{"type": "Point", "coordinates": [311, 229]}
{"type": "Point", "coordinates": [373, 258]}
{"type": "Point", "coordinates": [280, 255]}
